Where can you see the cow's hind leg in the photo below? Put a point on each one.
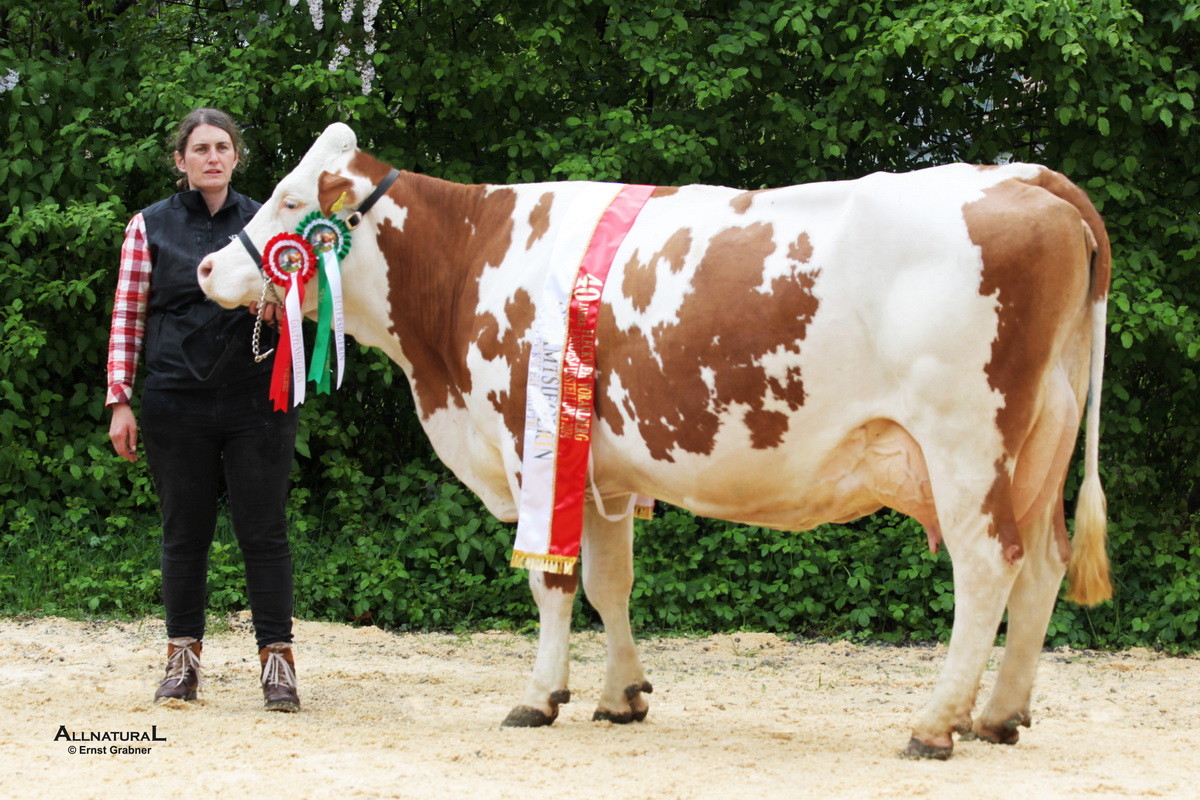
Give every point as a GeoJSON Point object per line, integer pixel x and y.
{"type": "Point", "coordinates": [1029, 610]}
{"type": "Point", "coordinates": [1038, 488]}
{"type": "Point", "coordinates": [547, 689]}
{"type": "Point", "coordinates": [608, 580]}
{"type": "Point", "coordinates": [985, 565]}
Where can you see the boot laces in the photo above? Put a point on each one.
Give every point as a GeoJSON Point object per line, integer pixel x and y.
{"type": "Point", "coordinates": [278, 671]}
{"type": "Point", "coordinates": [179, 663]}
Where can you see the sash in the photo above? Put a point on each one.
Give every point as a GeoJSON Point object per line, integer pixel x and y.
{"type": "Point", "coordinates": [561, 378]}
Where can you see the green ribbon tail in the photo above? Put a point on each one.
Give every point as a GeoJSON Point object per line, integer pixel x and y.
{"type": "Point", "coordinates": [319, 369]}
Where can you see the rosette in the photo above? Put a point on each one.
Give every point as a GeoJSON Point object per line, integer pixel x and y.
{"type": "Point", "coordinates": [289, 256]}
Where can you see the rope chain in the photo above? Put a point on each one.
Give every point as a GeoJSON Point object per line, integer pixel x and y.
{"type": "Point", "coordinates": [262, 304]}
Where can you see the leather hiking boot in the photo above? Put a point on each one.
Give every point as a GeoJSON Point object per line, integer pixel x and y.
{"type": "Point", "coordinates": [183, 670]}
{"type": "Point", "coordinates": [279, 677]}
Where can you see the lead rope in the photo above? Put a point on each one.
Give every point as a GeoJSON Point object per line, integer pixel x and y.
{"type": "Point", "coordinates": [262, 304]}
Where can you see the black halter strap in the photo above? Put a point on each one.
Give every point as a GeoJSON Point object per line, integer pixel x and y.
{"type": "Point", "coordinates": [250, 248]}
{"type": "Point", "coordinates": [355, 219]}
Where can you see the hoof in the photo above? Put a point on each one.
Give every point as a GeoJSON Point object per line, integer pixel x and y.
{"type": "Point", "coordinates": [529, 717]}
{"type": "Point", "coordinates": [632, 692]}
{"type": "Point", "coordinates": [1007, 733]}
{"type": "Point", "coordinates": [634, 689]}
{"type": "Point", "coordinates": [623, 718]}
{"type": "Point", "coordinates": [918, 749]}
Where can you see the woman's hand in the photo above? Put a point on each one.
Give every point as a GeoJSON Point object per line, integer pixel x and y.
{"type": "Point", "coordinates": [272, 313]}
{"type": "Point", "coordinates": [122, 432]}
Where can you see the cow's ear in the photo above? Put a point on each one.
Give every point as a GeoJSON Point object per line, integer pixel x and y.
{"type": "Point", "coordinates": [333, 190]}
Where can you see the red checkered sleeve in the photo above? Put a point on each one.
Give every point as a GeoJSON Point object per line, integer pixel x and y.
{"type": "Point", "coordinates": [129, 313]}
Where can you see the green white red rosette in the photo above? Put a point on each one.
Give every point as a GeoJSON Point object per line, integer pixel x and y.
{"type": "Point", "coordinates": [330, 240]}
{"type": "Point", "coordinates": [325, 234]}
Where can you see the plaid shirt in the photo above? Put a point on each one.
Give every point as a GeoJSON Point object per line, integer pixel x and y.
{"type": "Point", "coordinates": [129, 313]}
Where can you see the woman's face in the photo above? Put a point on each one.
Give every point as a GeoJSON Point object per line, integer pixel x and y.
{"type": "Point", "coordinates": [208, 159]}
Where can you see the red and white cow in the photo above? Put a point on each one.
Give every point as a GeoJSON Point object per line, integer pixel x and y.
{"type": "Point", "coordinates": [786, 357]}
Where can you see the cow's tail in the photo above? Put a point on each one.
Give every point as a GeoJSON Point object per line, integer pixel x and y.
{"type": "Point", "coordinates": [1088, 571]}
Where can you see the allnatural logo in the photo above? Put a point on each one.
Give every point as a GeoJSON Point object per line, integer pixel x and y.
{"type": "Point", "coordinates": [108, 736]}
{"type": "Point", "coordinates": [109, 743]}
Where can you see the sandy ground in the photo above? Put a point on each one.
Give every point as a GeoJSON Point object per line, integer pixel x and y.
{"type": "Point", "coordinates": [418, 716]}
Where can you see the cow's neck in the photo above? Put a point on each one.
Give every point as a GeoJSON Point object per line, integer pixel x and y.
{"type": "Point", "coordinates": [436, 241]}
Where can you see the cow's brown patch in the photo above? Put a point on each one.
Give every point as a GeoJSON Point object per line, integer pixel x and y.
{"type": "Point", "coordinates": [766, 428]}
{"type": "Point", "coordinates": [664, 191]}
{"type": "Point", "coordinates": [1034, 278]}
{"type": "Point", "coordinates": [801, 250]}
{"type": "Point", "coordinates": [998, 507]}
{"type": "Point", "coordinates": [639, 280]}
{"type": "Point", "coordinates": [539, 219]}
{"type": "Point", "coordinates": [511, 350]}
{"type": "Point", "coordinates": [741, 204]}
{"type": "Point", "coordinates": [567, 584]}
{"type": "Point", "coordinates": [451, 233]}
{"type": "Point", "coordinates": [723, 328]}
{"type": "Point", "coordinates": [1101, 251]}
{"type": "Point", "coordinates": [676, 249]}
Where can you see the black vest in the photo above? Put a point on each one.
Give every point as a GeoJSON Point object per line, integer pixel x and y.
{"type": "Point", "coordinates": [191, 342]}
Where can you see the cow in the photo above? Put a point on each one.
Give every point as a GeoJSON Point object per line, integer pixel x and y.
{"type": "Point", "coordinates": [925, 341]}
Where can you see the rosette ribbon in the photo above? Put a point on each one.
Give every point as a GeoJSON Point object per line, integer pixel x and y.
{"type": "Point", "coordinates": [330, 241]}
{"type": "Point", "coordinates": [289, 262]}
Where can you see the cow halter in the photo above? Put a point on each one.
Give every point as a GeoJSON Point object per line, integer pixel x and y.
{"type": "Point", "coordinates": [352, 221]}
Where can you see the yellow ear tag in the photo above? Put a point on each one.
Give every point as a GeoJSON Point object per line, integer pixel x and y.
{"type": "Point", "coordinates": [338, 204]}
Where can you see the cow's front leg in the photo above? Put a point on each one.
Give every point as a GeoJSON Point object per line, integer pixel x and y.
{"type": "Point", "coordinates": [547, 690]}
{"type": "Point", "coordinates": [608, 580]}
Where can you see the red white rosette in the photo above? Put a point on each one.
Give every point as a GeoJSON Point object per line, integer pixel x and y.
{"type": "Point", "coordinates": [289, 262]}
{"type": "Point", "coordinates": [289, 256]}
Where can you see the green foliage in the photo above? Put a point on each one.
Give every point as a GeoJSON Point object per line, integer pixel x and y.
{"type": "Point", "coordinates": [879, 580]}
{"type": "Point", "coordinates": [751, 93]}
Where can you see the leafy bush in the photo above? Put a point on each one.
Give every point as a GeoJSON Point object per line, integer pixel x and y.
{"type": "Point", "coordinates": [755, 93]}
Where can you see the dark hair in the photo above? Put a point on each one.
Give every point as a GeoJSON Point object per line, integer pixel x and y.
{"type": "Point", "coordinates": [206, 116]}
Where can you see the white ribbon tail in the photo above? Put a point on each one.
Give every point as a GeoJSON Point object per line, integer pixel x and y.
{"type": "Point", "coordinates": [333, 274]}
{"type": "Point", "coordinates": [291, 304]}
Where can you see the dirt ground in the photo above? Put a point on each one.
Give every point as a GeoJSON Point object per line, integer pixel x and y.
{"type": "Point", "coordinates": [391, 715]}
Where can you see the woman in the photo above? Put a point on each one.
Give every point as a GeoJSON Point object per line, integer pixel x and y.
{"type": "Point", "coordinates": [205, 411]}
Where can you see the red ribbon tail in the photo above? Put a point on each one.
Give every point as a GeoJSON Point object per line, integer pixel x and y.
{"type": "Point", "coordinates": [281, 372]}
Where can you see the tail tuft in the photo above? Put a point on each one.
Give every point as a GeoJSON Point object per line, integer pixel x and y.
{"type": "Point", "coordinates": [1088, 571]}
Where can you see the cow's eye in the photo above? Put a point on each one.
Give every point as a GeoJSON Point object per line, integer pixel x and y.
{"type": "Point", "coordinates": [291, 204]}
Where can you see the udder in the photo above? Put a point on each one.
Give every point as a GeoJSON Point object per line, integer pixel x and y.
{"type": "Point", "coordinates": [881, 460]}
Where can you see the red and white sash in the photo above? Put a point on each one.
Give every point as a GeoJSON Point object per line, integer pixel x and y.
{"type": "Point", "coordinates": [561, 378]}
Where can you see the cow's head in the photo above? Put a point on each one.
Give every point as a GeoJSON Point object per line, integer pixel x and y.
{"type": "Point", "coordinates": [322, 182]}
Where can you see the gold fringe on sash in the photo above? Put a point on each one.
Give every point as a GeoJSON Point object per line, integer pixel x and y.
{"type": "Point", "coordinates": [543, 562]}
{"type": "Point", "coordinates": [643, 512]}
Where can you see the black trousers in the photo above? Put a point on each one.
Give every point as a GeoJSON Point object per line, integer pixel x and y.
{"type": "Point", "coordinates": [194, 442]}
